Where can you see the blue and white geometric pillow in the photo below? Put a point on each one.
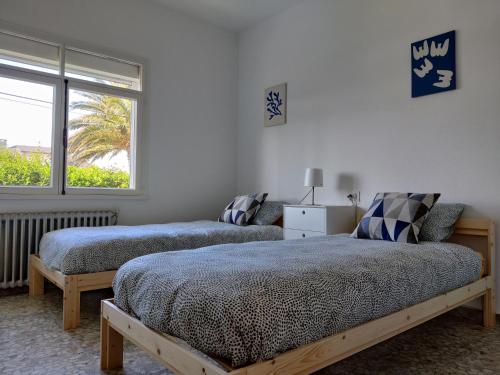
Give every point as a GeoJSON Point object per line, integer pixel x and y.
{"type": "Point", "coordinates": [243, 209]}
{"type": "Point", "coordinates": [395, 217]}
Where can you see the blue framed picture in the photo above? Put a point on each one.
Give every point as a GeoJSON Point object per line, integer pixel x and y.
{"type": "Point", "coordinates": [433, 68]}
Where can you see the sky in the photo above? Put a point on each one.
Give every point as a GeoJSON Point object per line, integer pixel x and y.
{"type": "Point", "coordinates": [26, 117]}
{"type": "Point", "coordinates": [25, 121]}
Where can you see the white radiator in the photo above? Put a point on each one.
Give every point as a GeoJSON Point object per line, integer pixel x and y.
{"type": "Point", "coordinates": [20, 235]}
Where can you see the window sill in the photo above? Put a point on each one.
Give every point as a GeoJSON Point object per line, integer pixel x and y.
{"type": "Point", "coordinates": [73, 197]}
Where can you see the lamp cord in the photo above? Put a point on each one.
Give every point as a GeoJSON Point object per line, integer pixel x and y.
{"type": "Point", "coordinates": [305, 196]}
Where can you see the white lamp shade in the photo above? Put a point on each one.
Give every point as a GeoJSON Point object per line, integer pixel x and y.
{"type": "Point", "coordinates": [313, 177]}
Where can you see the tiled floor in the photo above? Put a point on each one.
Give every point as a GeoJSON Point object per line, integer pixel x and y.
{"type": "Point", "coordinates": [33, 342]}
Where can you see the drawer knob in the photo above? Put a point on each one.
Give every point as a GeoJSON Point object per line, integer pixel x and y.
{"type": "Point", "coordinates": [303, 212]}
{"type": "Point", "coordinates": [303, 235]}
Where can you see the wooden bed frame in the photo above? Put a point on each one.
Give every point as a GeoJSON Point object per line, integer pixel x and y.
{"type": "Point", "coordinates": [116, 324]}
{"type": "Point", "coordinates": [71, 285]}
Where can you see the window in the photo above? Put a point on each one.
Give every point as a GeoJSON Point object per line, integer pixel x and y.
{"type": "Point", "coordinates": [28, 53]}
{"type": "Point", "coordinates": [25, 144]}
{"type": "Point", "coordinates": [101, 133]}
{"type": "Point", "coordinates": [106, 70]}
{"type": "Point", "coordinates": [69, 119]}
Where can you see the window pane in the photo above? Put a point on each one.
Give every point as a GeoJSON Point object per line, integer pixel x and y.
{"type": "Point", "coordinates": [26, 110]}
{"type": "Point", "coordinates": [29, 54]}
{"type": "Point", "coordinates": [100, 140]}
{"type": "Point", "coordinates": [106, 70]}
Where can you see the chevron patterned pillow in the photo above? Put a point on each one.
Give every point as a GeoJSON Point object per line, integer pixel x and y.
{"type": "Point", "coordinates": [395, 217]}
{"type": "Point", "coordinates": [242, 209]}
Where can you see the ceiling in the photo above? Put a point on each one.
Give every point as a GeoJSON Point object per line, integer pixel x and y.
{"type": "Point", "coordinates": [234, 15]}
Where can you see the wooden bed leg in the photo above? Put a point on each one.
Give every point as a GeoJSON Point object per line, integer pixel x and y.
{"type": "Point", "coordinates": [111, 347]}
{"type": "Point", "coordinates": [489, 316]}
{"type": "Point", "coordinates": [71, 303]}
{"type": "Point", "coordinates": [36, 280]}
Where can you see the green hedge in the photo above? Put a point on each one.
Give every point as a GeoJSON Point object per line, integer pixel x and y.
{"type": "Point", "coordinates": [97, 177]}
{"type": "Point", "coordinates": [19, 170]}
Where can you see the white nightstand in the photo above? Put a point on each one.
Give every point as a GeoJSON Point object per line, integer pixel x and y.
{"type": "Point", "coordinates": [302, 221]}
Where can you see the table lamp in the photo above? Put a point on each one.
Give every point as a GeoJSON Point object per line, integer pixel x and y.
{"type": "Point", "coordinates": [313, 178]}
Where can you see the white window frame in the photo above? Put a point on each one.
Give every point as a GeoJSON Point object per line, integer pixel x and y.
{"type": "Point", "coordinates": [57, 112]}
{"type": "Point", "coordinates": [58, 186]}
{"type": "Point", "coordinates": [134, 134]}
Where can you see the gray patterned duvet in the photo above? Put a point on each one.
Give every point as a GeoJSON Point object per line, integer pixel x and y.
{"type": "Point", "coordinates": [86, 250]}
{"type": "Point", "coordinates": [252, 301]}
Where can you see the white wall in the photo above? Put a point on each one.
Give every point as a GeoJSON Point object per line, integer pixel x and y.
{"type": "Point", "coordinates": [190, 112]}
{"type": "Point", "coordinates": [347, 64]}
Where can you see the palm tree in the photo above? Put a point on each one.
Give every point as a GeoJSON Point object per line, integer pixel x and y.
{"type": "Point", "coordinates": [103, 129]}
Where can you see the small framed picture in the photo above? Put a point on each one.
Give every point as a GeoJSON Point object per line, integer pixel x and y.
{"type": "Point", "coordinates": [275, 105]}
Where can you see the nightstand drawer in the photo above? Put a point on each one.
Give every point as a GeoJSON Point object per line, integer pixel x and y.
{"type": "Point", "coordinates": [305, 218]}
{"type": "Point", "coordinates": [293, 234]}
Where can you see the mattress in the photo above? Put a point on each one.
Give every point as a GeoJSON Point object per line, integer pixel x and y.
{"type": "Point", "coordinates": [87, 250]}
{"type": "Point", "coordinates": [250, 302]}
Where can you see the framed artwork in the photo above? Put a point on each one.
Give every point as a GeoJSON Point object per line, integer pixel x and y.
{"type": "Point", "coordinates": [433, 68]}
{"type": "Point", "coordinates": [275, 105]}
